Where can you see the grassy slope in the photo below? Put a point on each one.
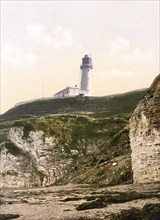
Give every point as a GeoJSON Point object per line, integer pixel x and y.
{"type": "Point", "coordinates": [96, 129]}
{"type": "Point", "coordinates": [90, 137]}
{"type": "Point", "coordinates": [96, 106]}
{"type": "Point", "coordinates": [153, 103]}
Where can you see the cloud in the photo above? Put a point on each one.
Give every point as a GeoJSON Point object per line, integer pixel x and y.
{"type": "Point", "coordinates": [124, 58]}
{"type": "Point", "coordinates": [62, 37]}
{"type": "Point", "coordinates": [140, 54]}
{"type": "Point", "coordinates": [118, 43]}
{"type": "Point", "coordinates": [35, 30]}
{"type": "Point", "coordinates": [115, 72]}
{"type": "Point", "coordinates": [120, 73]}
{"type": "Point", "coordinates": [59, 38]}
{"type": "Point", "coordinates": [16, 56]}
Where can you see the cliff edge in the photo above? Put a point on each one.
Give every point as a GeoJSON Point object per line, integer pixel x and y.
{"type": "Point", "coordinates": [145, 137]}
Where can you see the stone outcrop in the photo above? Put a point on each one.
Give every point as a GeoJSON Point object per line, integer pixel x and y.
{"type": "Point", "coordinates": [145, 137]}
{"type": "Point", "coordinates": [68, 148]}
{"type": "Point", "coordinates": [35, 161]}
{"type": "Point", "coordinates": [42, 151]}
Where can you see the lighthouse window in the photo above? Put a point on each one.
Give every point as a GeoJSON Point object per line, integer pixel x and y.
{"type": "Point", "coordinates": [86, 60]}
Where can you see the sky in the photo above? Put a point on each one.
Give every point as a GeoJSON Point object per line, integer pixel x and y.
{"type": "Point", "coordinates": [43, 42]}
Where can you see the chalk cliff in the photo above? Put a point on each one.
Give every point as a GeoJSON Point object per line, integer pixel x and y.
{"type": "Point", "coordinates": [145, 137]}
{"type": "Point", "coordinates": [78, 140]}
{"type": "Point", "coordinates": [32, 161]}
{"type": "Point", "coordinates": [56, 150]}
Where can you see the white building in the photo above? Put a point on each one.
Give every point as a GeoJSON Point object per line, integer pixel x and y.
{"type": "Point", "coordinates": [85, 84]}
{"type": "Point", "coordinates": [68, 91]}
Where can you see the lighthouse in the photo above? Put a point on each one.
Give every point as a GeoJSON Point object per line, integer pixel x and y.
{"type": "Point", "coordinates": [72, 91]}
{"type": "Point", "coordinates": [86, 67]}
{"type": "Point", "coordinates": [85, 84]}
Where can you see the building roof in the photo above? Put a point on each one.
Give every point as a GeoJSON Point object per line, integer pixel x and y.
{"type": "Point", "coordinates": [68, 87]}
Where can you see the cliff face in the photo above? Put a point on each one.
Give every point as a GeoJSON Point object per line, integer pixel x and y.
{"type": "Point", "coordinates": [57, 150]}
{"type": "Point", "coordinates": [145, 137]}
{"type": "Point", "coordinates": [31, 161]}
{"type": "Point", "coordinates": [42, 143]}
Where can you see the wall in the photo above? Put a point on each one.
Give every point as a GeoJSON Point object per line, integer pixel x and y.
{"type": "Point", "coordinates": [67, 92]}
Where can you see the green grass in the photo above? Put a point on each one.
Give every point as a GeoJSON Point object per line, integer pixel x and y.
{"type": "Point", "coordinates": [70, 129]}
{"type": "Point", "coordinates": [10, 173]}
{"type": "Point", "coordinates": [94, 127]}
{"type": "Point", "coordinates": [70, 133]}
{"type": "Point", "coordinates": [75, 133]}
{"type": "Point", "coordinates": [16, 151]}
{"type": "Point", "coordinates": [96, 106]}
{"type": "Point", "coordinates": [154, 84]}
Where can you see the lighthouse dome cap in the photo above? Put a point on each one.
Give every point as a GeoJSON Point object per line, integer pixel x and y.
{"type": "Point", "coordinates": [86, 55]}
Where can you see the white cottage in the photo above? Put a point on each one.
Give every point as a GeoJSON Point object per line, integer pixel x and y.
{"type": "Point", "coordinates": [68, 91]}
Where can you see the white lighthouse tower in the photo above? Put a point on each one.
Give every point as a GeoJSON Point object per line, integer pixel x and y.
{"type": "Point", "coordinates": [85, 84]}
{"type": "Point", "coordinates": [86, 67]}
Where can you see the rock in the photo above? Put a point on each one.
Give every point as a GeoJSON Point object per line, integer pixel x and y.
{"type": "Point", "coordinates": [35, 161]}
{"type": "Point", "coordinates": [8, 216]}
{"type": "Point", "coordinates": [145, 137]}
{"type": "Point", "coordinates": [115, 164]}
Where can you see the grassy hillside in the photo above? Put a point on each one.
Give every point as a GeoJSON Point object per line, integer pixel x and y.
{"type": "Point", "coordinates": [153, 103]}
{"type": "Point", "coordinates": [92, 145]}
{"type": "Point", "coordinates": [91, 132]}
{"type": "Point", "coordinates": [94, 106]}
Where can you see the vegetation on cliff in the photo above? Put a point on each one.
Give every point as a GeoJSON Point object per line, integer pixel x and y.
{"type": "Point", "coordinates": [150, 105]}
{"type": "Point", "coordinates": [89, 143]}
{"type": "Point", "coordinates": [90, 132]}
{"type": "Point", "coordinates": [95, 140]}
{"type": "Point", "coordinates": [94, 106]}
{"type": "Point", "coordinates": [152, 108]}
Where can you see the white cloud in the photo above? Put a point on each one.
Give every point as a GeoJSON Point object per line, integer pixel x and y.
{"type": "Point", "coordinates": [59, 38]}
{"type": "Point", "coordinates": [35, 30]}
{"type": "Point", "coordinates": [140, 54]}
{"type": "Point", "coordinates": [120, 73]}
{"type": "Point", "coordinates": [122, 55]}
{"type": "Point", "coordinates": [46, 39]}
{"type": "Point", "coordinates": [118, 43]}
{"type": "Point", "coordinates": [16, 56]}
{"type": "Point", "coordinates": [115, 72]}
{"type": "Point", "coordinates": [63, 37]}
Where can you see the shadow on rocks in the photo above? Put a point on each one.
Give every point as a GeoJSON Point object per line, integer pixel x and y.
{"type": "Point", "coordinates": [8, 216]}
